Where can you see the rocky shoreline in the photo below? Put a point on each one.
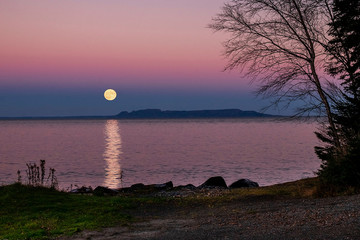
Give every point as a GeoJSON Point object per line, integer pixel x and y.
{"type": "Point", "coordinates": [216, 184]}
{"type": "Point", "coordinates": [237, 216]}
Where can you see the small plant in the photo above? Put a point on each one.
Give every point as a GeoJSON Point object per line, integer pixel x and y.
{"type": "Point", "coordinates": [42, 167]}
{"type": "Point", "coordinates": [121, 178]}
{"type": "Point", "coordinates": [19, 176]}
{"type": "Point", "coordinates": [53, 178]}
{"type": "Point", "coordinates": [36, 175]}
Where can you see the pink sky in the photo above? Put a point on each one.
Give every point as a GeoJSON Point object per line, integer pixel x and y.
{"type": "Point", "coordinates": [58, 57]}
{"type": "Point", "coordinates": [137, 43]}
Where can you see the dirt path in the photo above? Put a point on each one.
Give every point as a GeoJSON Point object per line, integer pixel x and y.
{"type": "Point", "coordinates": [327, 218]}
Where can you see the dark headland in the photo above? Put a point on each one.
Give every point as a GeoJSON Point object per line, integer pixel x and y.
{"type": "Point", "coordinates": [159, 114]}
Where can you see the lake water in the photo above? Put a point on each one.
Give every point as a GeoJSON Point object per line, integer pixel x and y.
{"type": "Point", "coordinates": [119, 153]}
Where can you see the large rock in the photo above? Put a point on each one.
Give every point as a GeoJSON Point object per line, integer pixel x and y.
{"type": "Point", "coordinates": [101, 191]}
{"type": "Point", "coordinates": [137, 186]}
{"type": "Point", "coordinates": [142, 188]}
{"type": "Point", "coordinates": [244, 183]}
{"type": "Point", "coordinates": [185, 187]}
{"type": "Point", "coordinates": [82, 190]}
{"type": "Point", "coordinates": [164, 186]}
{"type": "Point", "coordinates": [217, 181]}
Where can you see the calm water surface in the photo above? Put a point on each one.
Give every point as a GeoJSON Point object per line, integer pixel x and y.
{"type": "Point", "coordinates": [119, 153]}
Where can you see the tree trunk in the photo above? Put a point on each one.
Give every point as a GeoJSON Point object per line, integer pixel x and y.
{"type": "Point", "coordinates": [319, 88]}
{"type": "Point", "coordinates": [327, 106]}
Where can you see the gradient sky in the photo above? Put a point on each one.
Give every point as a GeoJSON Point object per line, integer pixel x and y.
{"type": "Point", "coordinates": [58, 57]}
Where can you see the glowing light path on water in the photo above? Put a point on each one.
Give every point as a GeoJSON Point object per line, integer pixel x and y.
{"type": "Point", "coordinates": [112, 154]}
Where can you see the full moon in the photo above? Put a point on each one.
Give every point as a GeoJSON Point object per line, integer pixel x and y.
{"type": "Point", "coordinates": [110, 94]}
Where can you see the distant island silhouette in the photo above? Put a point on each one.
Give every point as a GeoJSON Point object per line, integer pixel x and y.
{"type": "Point", "coordinates": [159, 114]}
{"type": "Point", "coordinates": [167, 114]}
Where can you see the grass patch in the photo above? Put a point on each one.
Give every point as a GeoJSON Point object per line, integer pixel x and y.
{"type": "Point", "coordinates": [305, 188]}
{"type": "Point", "coordinates": [39, 213]}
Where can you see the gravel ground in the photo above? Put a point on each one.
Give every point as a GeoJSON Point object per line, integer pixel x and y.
{"type": "Point", "coordinates": [325, 218]}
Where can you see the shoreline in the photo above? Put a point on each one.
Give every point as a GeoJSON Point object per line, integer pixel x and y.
{"type": "Point", "coordinates": [282, 211]}
{"type": "Point", "coordinates": [258, 213]}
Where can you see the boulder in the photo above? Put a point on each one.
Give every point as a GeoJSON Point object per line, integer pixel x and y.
{"type": "Point", "coordinates": [142, 188]}
{"type": "Point", "coordinates": [125, 190]}
{"type": "Point", "coordinates": [187, 187]}
{"type": "Point", "coordinates": [101, 191]}
{"type": "Point", "coordinates": [82, 190]}
{"type": "Point", "coordinates": [217, 181]}
{"type": "Point", "coordinates": [244, 183]}
{"type": "Point", "coordinates": [137, 186]}
{"type": "Point", "coordinates": [164, 186]}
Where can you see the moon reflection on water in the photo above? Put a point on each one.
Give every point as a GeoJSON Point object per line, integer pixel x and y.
{"type": "Point", "coordinates": [112, 154]}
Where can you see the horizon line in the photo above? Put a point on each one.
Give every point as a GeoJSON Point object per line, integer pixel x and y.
{"type": "Point", "coordinates": [139, 110]}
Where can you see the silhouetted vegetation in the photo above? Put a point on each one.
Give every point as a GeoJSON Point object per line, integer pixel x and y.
{"type": "Point", "coordinates": [280, 44]}
{"type": "Point", "coordinates": [284, 45]}
{"type": "Point", "coordinates": [341, 165]}
{"type": "Point", "coordinates": [36, 175]}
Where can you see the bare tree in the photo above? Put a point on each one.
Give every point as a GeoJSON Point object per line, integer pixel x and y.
{"type": "Point", "coordinates": [280, 43]}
